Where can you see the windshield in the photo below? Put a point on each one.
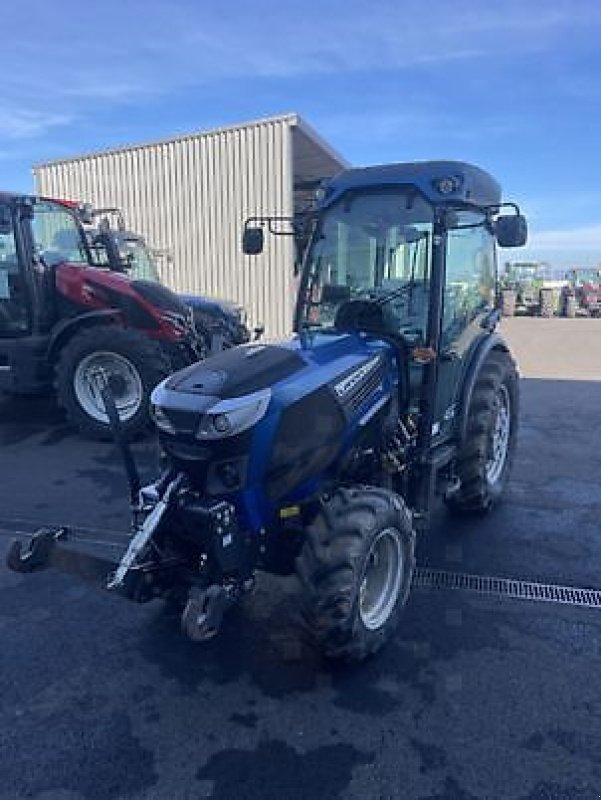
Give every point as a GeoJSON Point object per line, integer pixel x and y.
{"type": "Point", "coordinates": [524, 271]}
{"type": "Point", "coordinates": [369, 245]}
{"type": "Point", "coordinates": [57, 235]}
{"type": "Point", "coordinates": [137, 259]}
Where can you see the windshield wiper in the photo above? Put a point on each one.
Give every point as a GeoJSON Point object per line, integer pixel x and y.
{"type": "Point", "coordinates": [393, 294]}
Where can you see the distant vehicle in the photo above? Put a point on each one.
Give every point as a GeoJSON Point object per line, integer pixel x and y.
{"type": "Point", "coordinates": [585, 289]}
{"type": "Point", "coordinates": [64, 322]}
{"type": "Point", "coordinates": [220, 323]}
{"type": "Point", "coordinates": [523, 290]}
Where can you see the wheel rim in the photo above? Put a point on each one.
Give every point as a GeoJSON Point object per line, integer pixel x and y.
{"type": "Point", "coordinates": [500, 435]}
{"type": "Point", "coordinates": [381, 582]}
{"type": "Point", "coordinates": [123, 380]}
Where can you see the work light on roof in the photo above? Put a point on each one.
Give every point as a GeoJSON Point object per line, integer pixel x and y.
{"type": "Point", "coordinates": [447, 185]}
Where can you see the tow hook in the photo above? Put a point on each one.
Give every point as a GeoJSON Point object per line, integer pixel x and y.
{"type": "Point", "coordinates": [37, 552]}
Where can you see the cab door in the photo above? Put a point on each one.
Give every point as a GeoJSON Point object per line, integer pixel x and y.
{"type": "Point", "coordinates": [468, 297]}
{"type": "Point", "coordinates": [14, 300]}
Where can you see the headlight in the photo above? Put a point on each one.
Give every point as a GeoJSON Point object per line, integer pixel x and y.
{"type": "Point", "coordinates": [233, 416]}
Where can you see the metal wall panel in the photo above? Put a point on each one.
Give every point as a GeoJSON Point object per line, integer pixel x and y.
{"type": "Point", "coordinates": [189, 197]}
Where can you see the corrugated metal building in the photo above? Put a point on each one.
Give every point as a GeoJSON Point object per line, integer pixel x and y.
{"type": "Point", "coordinates": [189, 196]}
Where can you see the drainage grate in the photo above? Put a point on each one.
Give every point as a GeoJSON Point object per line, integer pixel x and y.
{"type": "Point", "coordinates": [507, 587]}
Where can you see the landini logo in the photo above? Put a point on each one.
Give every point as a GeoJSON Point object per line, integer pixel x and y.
{"type": "Point", "coordinates": [347, 384]}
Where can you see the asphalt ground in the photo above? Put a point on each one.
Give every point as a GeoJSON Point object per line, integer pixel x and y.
{"type": "Point", "coordinates": [476, 697]}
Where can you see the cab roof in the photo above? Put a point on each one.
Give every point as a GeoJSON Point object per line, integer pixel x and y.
{"type": "Point", "coordinates": [470, 184]}
{"type": "Point", "coordinates": [15, 197]}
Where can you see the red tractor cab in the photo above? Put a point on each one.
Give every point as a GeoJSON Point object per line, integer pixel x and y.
{"type": "Point", "coordinates": [65, 324]}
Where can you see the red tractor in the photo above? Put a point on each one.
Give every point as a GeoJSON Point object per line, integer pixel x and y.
{"type": "Point", "coordinates": [585, 289]}
{"type": "Point", "coordinates": [65, 323]}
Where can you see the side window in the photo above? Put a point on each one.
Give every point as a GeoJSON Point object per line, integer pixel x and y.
{"type": "Point", "coordinates": [56, 235]}
{"type": "Point", "coordinates": [470, 280]}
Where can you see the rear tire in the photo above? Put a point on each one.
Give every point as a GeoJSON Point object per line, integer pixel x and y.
{"type": "Point", "coordinates": [139, 364]}
{"type": "Point", "coordinates": [356, 568]}
{"type": "Point", "coordinates": [569, 307]}
{"type": "Point", "coordinates": [485, 459]}
{"type": "Point", "coordinates": [546, 303]}
{"type": "Point", "coordinates": [508, 302]}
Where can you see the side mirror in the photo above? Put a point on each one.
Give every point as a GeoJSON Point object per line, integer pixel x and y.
{"type": "Point", "coordinates": [86, 214]}
{"type": "Point", "coordinates": [252, 241]}
{"type": "Point", "coordinates": [511, 230]}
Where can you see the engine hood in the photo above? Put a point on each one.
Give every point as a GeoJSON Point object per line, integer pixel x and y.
{"type": "Point", "coordinates": [221, 308]}
{"type": "Point", "coordinates": [290, 369]}
{"type": "Point", "coordinates": [275, 416]}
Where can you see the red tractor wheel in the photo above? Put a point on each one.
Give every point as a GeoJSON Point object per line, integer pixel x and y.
{"type": "Point", "coordinates": [132, 365]}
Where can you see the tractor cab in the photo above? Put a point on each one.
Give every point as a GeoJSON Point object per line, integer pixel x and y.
{"type": "Point", "coordinates": [376, 246]}
{"type": "Point", "coordinates": [123, 251]}
{"type": "Point", "coordinates": [36, 235]}
{"type": "Point", "coordinates": [114, 247]}
{"type": "Point", "coordinates": [406, 252]}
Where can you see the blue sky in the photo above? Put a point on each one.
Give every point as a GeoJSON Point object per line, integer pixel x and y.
{"type": "Point", "coordinates": [513, 86]}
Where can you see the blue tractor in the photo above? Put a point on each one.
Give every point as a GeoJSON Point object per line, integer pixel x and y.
{"type": "Point", "coordinates": [325, 453]}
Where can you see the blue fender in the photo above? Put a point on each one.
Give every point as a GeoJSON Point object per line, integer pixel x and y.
{"type": "Point", "coordinates": [482, 348]}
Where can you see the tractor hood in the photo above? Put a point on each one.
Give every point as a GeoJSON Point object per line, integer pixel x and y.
{"type": "Point", "coordinates": [273, 416]}
{"type": "Point", "coordinates": [223, 308]}
{"type": "Point", "coordinates": [342, 364]}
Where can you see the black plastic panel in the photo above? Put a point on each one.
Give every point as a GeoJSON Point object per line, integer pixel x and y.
{"type": "Point", "coordinates": [238, 372]}
{"type": "Point", "coordinates": [307, 441]}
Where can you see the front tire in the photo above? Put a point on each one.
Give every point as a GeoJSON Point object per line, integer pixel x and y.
{"type": "Point", "coordinates": [356, 568]}
{"type": "Point", "coordinates": [569, 306]}
{"type": "Point", "coordinates": [508, 302]}
{"type": "Point", "coordinates": [546, 303]}
{"type": "Point", "coordinates": [485, 459]}
{"type": "Point", "coordinates": [133, 365]}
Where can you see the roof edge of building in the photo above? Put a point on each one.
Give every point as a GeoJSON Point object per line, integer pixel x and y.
{"type": "Point", "coordinates": [310, 131]}
{"type": "Point", "coordinates": [291, 118]}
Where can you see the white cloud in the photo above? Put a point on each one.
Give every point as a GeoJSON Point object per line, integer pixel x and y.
{"type": "Point", "coordinates": [182, 43]}
{"type": "Point", "coordinates": [417, 125]}
{"type": "Point", "coordinates": [22, 123]}
{"type": "Point", "coordinates": [581, 239]}
{"type": "Point", "coordinates": [563, 247]}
